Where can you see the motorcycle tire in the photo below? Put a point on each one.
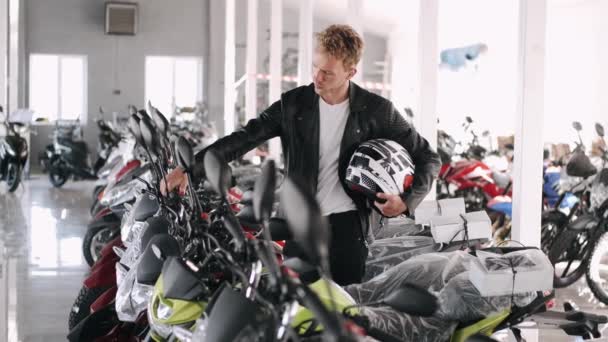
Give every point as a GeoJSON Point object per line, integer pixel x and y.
{"type": "Point", "coordinates": [562, 244]}
{"type": "Point", "coordinates": [93, 242]}
{"type": "Point", "coordinates": [82, 305]}
{"type": "Point", "coordinates": [57, 175]}
{"type": "Point", "coordinates": [13, 176]}
{"type": "Point", "coordinates": [552, 224]}
{"type": "Point", "coordinates": [594, 280]}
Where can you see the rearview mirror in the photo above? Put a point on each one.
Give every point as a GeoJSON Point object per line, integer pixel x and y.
{"type": "Point", "coordinates": [577, 125]}
{"type": "Point", "coordinates": [218, 173]}
{"type": "Point", "coordinates": [308, 227]}
{"type": "Point", "coordinates": [485, 133]}
{"type": "Point", "coordinates": [599, 129]}
{"type": "Point", "coordinates": [135, 130]}
{"type": "Point", "coordinates": [469, 120]}
{"type": "Point", "coordinates": [263, 192]}
{"type": "Point", "coordinates": [149, 136]}
{"type": "Point", "coordinates": [132, 109]}
{"type": "Point", "coordinates": [412, 300]}
{"type": "Point", "coordinates": [185, 154]}
{"type": "Point", "coordinates": [159, 119]}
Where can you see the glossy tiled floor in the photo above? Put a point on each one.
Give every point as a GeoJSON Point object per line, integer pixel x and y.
{"type": "Point", "coordinates": [42, 228]}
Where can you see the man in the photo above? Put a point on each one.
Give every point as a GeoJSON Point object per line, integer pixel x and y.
{"type": "Point", "coordinates": [320, 125]}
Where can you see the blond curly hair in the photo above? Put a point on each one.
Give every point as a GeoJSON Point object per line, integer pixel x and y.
{"type": "Point", "coordinates": [341, 42]}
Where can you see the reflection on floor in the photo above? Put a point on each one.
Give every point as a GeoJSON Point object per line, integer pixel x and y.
{"type": "Point", "coordinates": [43, 227]}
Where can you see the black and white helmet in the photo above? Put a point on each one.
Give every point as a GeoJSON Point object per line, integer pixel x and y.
{"type": "Point", "coordinates": [380, 165]}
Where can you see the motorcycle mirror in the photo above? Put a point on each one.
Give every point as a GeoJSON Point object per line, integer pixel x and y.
{"type": "Point", "coordinates": [577, 125]}
{"type": "Point", "coordinates": [263, 192]}
{"type": "Point", "coordinates": [135, 130]}
{"type": "Point", "coordinates": [218, 173]}
{"type": "Point", "coordinates": [599, 129]}
{"type": "Point", "coordinates": [150, 136]}
{"type": "Point", "coordinates": [485, 133]}
{"type": "Point", "coordinates": [308, 227]}
{"type": "Point", "coordinates": [159, 119]}
{"type": "Point", "coordinates": [480, 338]}
{"type": "Point", "coordinates": [185, 154]}
{"type": "Point", "coordinates": [132, 109]}
{"type": "Point", "coordinates": [101, 111]}
{"type": "Point", "coordinates": [469, 120]}
{"type": "Point", "coordinates": [144, 115]}
{"type": "Point", "coordinates": [412, 300]}
{"type": "Point", "coordinates": [1, 109]}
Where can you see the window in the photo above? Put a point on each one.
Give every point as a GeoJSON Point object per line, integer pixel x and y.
{"type": "Point", "coordinates": [58, 87]}
{"type": "Point", "coordinates": [173, 82]}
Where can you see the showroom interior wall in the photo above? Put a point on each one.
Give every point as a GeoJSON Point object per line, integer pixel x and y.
{"type": "Point", "coordinates": [114, 62]}
{"type": "Point", "coordinates": [194, 28]}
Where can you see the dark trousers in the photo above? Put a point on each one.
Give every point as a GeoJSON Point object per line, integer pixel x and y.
{"type": "Point", "coordinates": [347, 250]}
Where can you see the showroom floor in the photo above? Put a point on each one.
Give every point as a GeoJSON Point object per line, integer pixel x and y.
{"type": "Point", "coordinates": [42, 228]}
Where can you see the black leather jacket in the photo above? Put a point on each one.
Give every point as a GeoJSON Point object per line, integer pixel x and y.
{"type": "Point", "coordinates": [295, 119]}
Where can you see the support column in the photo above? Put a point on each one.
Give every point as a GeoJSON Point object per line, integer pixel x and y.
{"type": "Point", "coordinates": [251, 94]}
{"type": "Point", "coordinates": [229, 70]}
{"type": "Point", "coordinates": [3, 51]}
{"type": "Point", "coordinates": [305, 42]}
{"type": "Point", "coordinates": [528, 165]}
{"type": "Point", "coordinates": [426, 119]}
{"type": "Point", "coordinates": [276, 67]}
{"type": "Point", "coordinates": [355, 19]}
{"type": "Point", "coordinates": [13, 55]}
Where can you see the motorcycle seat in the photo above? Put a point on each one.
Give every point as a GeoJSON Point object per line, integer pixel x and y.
{"type": "Point", "coordinates": [584, 222]}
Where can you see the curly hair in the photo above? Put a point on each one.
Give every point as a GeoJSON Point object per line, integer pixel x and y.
{"type": "Point", "coordinates": [341, 42]}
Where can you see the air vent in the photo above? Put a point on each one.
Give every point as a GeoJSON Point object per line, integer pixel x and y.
{"type": "Point", "coordinates": [121, 18]}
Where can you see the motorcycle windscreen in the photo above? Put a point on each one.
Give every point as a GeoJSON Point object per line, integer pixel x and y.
{"type": "Point", "coordinates": [179, 282]}
{"type": "Point", "coordinates": [236, 318]}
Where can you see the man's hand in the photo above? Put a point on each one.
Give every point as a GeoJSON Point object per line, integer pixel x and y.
{"type": "Point", "coordinates": [175, 179]}
{"type": "Point", "coordinates": [393, 206]}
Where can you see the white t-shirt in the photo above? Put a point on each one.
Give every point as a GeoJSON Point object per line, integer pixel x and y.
{"type": "Point", "coordinates": [330, 194]}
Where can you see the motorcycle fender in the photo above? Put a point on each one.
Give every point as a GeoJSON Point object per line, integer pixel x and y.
{"type": "Point", "coordinates": [105, 299]}
{"type": "Point", "coordinates": [104, 275]}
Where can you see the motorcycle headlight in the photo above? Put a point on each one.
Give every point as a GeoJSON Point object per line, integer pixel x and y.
{"type": "Point", "coordinates": [162, 330]}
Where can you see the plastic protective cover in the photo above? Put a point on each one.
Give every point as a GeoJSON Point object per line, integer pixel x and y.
{"type": "Point", "coordinates": [133, 252]}
{"type": "Point", "coordinates": [131, 297]}
{"type": "Point", "coordinates": [599, 189]}
{"type": "Point", "coordinates": [445, 275]}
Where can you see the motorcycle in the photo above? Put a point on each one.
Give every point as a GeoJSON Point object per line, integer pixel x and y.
{"type": "Point", "coordinates": [70, 157]}
{"type": "Point", "coordinates": [13, 152]}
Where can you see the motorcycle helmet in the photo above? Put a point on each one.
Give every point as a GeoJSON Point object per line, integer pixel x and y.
{"type": "Point", "coordinates": [380, 165]}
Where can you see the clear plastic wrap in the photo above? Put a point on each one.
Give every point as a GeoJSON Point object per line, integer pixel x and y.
{"type": "Point", "coordinates": [386, 253]}
{"type": "Point", "coordinates": [131, 297]}
{"type": "Point", "coordinates": [445, 275]}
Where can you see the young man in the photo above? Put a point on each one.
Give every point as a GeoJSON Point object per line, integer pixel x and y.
{"type": "Point", "coordinates": [320, 125]}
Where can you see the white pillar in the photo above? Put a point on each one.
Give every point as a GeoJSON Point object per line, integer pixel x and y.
{"type": "Point", "coordinates": [251, 94]}
{"type": "Point", "coordinates": [229, 70]}
{"type": "Point", "coordinates": [13, 56]}
{"type": "Point", "coordinates": [355, 19]}
{"type": "Point", "coordinates": [3, 51]}
{"type": "Point", "coordinates": [305, 42]}
{"type": "Point", "coordinates": [426, 119]}
{"type": "Point", "coordinates": [276, 67]}
{"type": "Point", "coordinates": [527, 171]}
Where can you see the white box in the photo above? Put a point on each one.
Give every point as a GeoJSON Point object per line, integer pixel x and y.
{"type": "Point", "coordinates": [446, 229]}
{"type": "Point", "coordinates": [445, 207]}
{"type": "Point", "coordinates": [533, 272]}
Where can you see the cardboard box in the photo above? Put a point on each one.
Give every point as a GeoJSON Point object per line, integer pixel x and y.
{"type": "Point", "coordinates": [445, 207]}
{"type": "Point", "coordinates": [492, 274]}
{"type": "Point", "coordinates": [446, 229]}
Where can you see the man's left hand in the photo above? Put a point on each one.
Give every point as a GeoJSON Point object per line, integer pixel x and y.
{"type": "Point", "coordinates": [393, 206]}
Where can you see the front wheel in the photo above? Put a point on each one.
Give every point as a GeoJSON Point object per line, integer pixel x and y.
{"type": "Point", "coordinates": [568, 256]}
{"type": "Point", "coordinates": [57, 173]}
{"type": "Point", "coordinates": [13, 176]}
{"type": "Point", "coordinates": [95, 240]}
{"type": "Point", "coordinates": [597, 269]}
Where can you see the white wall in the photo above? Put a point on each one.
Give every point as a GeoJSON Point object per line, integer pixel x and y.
{"type": "Point", "coordinates": [114, 62]}
{"type": "Point", "coordinates": [576, 69]}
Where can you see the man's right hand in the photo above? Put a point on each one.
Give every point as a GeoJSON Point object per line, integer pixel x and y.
{"type": "Point", "coordinates": [175, 179]}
